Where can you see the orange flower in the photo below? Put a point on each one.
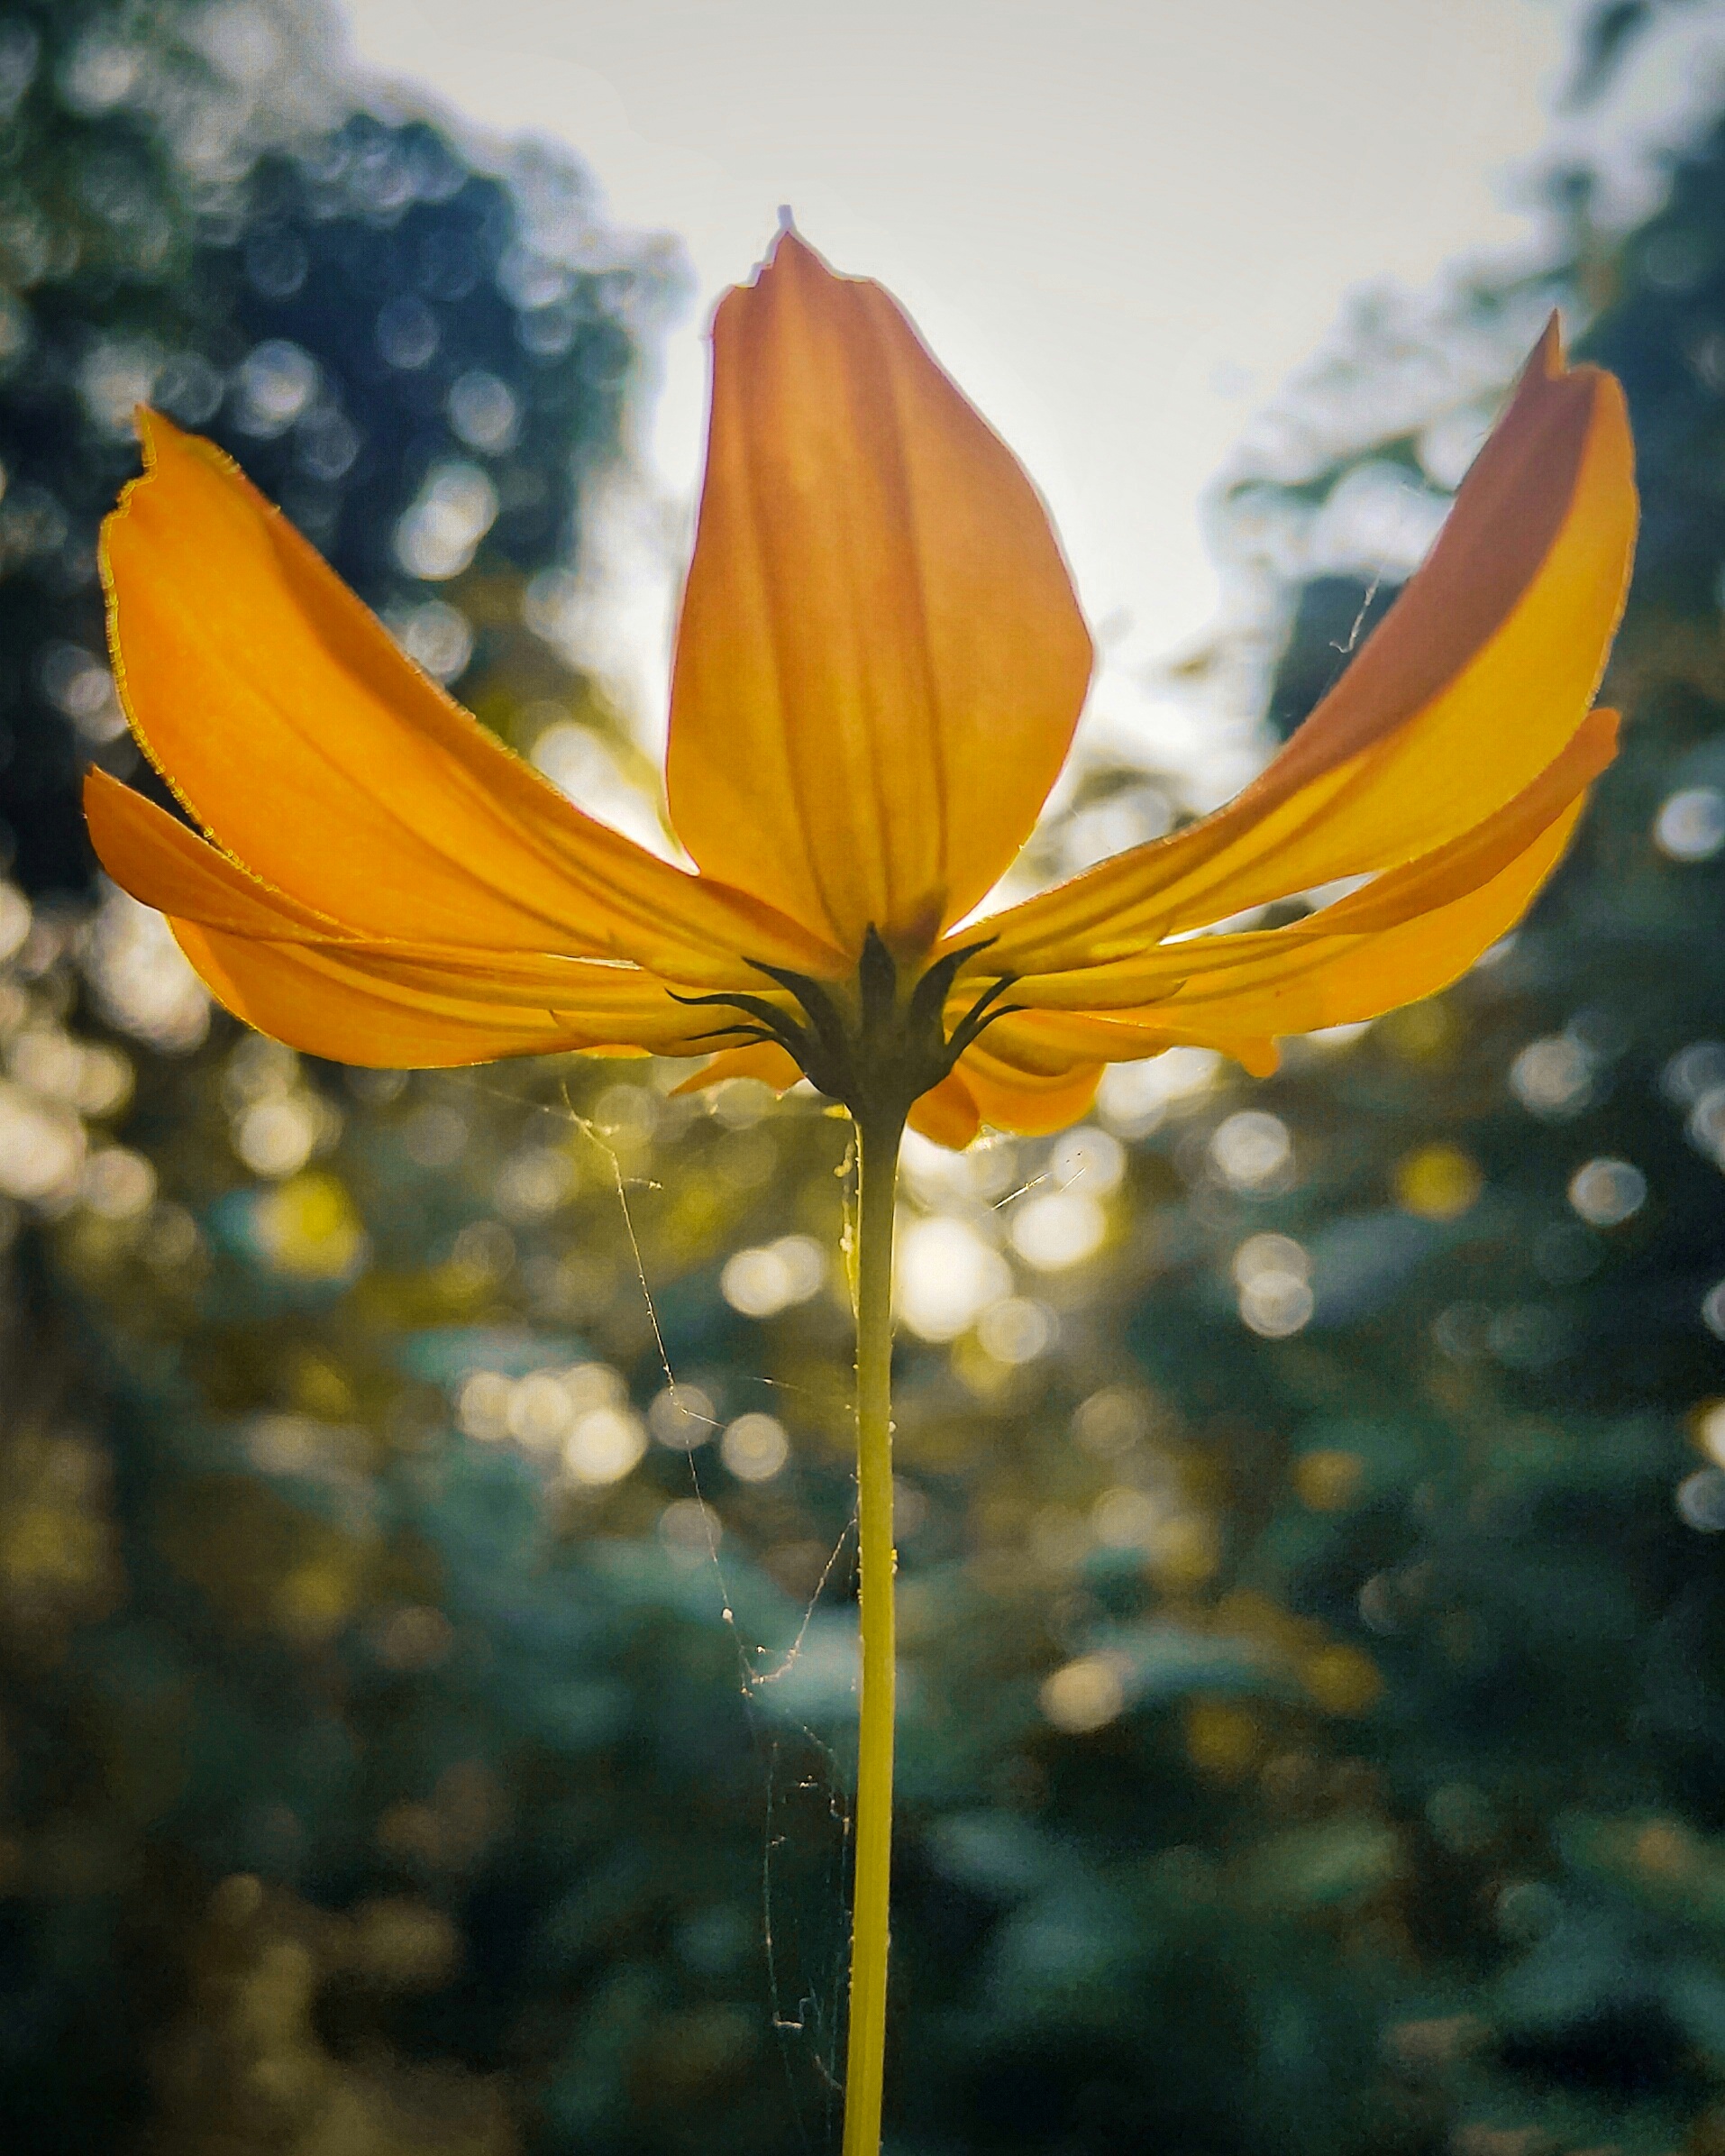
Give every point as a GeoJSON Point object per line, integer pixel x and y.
{"type": "Point", "coordinates": [879, 665]}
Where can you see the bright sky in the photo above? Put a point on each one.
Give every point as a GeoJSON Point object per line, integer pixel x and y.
{"type": "Point", "coordinates": [1119, 223]}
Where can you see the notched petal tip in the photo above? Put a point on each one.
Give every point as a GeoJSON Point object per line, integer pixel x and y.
{"type": "Point", "coordinates": [160, 443]}
{"type": "Point", "coordinates": [787, 248]}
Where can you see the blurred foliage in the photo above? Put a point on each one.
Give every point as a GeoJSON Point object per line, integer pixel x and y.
{"type": "Point", "coordinates": [423, 362]}
{"type": "Point", "coordinates": [423, 1722]}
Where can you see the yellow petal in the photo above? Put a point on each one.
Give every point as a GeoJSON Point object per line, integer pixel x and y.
{"type": "Point", "coordinates": [1400, 895]}
{"type": "Point", "coordinates": [159, 861]}
{"type": "Point", "coordinates": [947, 1114]}
{"type": "Point", "coordinates": [1472, 683]}
{"type": "Point", "coordinates": [762, 1059]}
{"type": "Point", "coordinates": [881, 660]}
{"type": "Point", "coordinates": [286, 970]}
{"type": "Point", "coordinates": [295, 732]}
{"type": "Point", "coordinates": [1340, 984]}
{"type": "Point", "coordinates": [327, 1003]}
{"type": "Point", "coordinates": [1302, 979]}
{"type": "Point", "coordinates": [1007, 1098]}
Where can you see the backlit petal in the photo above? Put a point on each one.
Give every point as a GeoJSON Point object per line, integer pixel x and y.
{"type": "Point", "coordinates": [1008, 1099]}
{"type": "Point", "coordinates": [397, 1003]}
{"type": "Point", "coordinates": [1400, 895]}
{"type": "Point", "coordinates": [881, 660]}
{"type": "Point", "coordinates": [1478, 675]}
{"type": "Point", "coordinates": [155, 857]}
{"type": "Point", "coordinates": [295, 732]}
{"type": "Point", "coordinates": [1300, 979]}
{"type": "Point", "coordinates": [947, 1114]}
{"type": "Point", "coordinates": [763, 1059]}
{"type": "Point", "coordinates": [326, 1002]}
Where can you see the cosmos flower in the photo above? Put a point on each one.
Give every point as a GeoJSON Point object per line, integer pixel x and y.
{"type": "Point", "coordinates": [879, 665]}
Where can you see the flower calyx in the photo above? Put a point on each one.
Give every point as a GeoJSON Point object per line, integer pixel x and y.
{"type": "Point", "coordinates": [875, 1044]}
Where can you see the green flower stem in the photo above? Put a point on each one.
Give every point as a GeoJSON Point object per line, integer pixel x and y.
{"type": "Point", "coordinates": [878, 1140]}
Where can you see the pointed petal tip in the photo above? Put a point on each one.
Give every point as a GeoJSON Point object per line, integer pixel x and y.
{"type": "Point", "coordinates": [788, 252]}
{"type": "Point", "coordinates": [167, 449]}
{"type": "Point", "coordinates": [792, 257]}
{"type": "Point", "coordinates": [1550, 366]}
{"type": "Point", "coordinates": [97, 796]}
{"type": "Point", "coordinates": [157, 433]}
{"type": "Point", "coordinates": [1550, 360]}
{"type": "Point", "coordinates": [158, 436]}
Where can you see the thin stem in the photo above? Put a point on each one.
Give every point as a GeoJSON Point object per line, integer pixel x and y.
{"type": "Point", "coordinates": [866, 2050]}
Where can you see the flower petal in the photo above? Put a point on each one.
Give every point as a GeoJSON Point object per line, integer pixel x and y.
{"type": "Point", "coordinates": [948, 1114]}
{"type": "Point", "coordinates": [763, 1059]}
{"type": "Point", "coordinates": [1361, 957]}
{"type": "Point", "coordinates": [155, 857]}
{"type": "Point", "coordinates": [1167, 971]}
{"type": "Point", "coordinates": [326, 1002]}
{"type": "Point", "coordinates": [295, 732]}
{"type": "Point", "coordinates": [1476, 678]}
{"type": "Point", "coordinates": [881, 660]}
{"type": "Point", "coordinates": [288, 970]}
{"type": "Point", "coordinates": [1008, 1099]}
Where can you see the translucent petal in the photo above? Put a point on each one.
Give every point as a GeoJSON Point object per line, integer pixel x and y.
{"type": "Point", "coordinates": [947, 1114]}
{"type": "Point", "coordinates": [1400, 895]}
{"type": "Point", "coordinates": [393, 1002]}
{"type": "Point", "coordinates": [881, 660]}
{"type": "Point", "coordinates": [1475, 680]}
{"type": "Point", "coordinates": [1008, 1099]}
{"type": "Point", "coordinates": [296, 734]}
{"type": "Point", "coordinates": [326, 1002]}
{"type": "Point", "coordinates": [1286, 982]}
